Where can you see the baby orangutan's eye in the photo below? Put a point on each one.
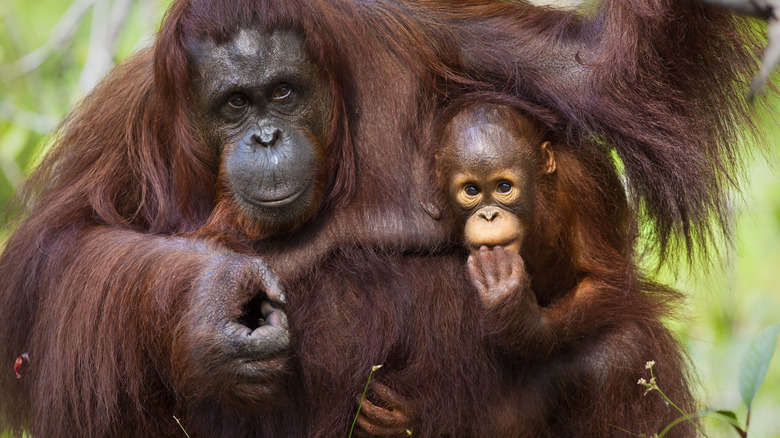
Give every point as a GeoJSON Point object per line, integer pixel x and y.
{"type": "Point", "coordinates": [471, 190]}
{"type": "Point", "coordinates": [504, 187]}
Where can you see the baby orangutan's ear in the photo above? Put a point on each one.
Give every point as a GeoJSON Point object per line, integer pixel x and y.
{"type": "Point", "coordinates": [548, 165]}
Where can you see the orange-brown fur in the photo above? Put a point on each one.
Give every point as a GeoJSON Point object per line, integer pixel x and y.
{"type": "Point", "coordinates": [98, 274]}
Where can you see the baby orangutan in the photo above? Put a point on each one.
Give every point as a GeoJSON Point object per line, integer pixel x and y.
{"type": "Point", "coordinates": [549, 257]}
{"type": "Point", "coordinates": [491, 161]}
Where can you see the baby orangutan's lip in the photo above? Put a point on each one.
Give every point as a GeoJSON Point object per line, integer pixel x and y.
{"type": "Point", "coordinates": [512, 245]}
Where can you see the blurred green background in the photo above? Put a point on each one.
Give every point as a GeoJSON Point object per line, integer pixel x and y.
{"type": "Point", "coordinates": [52, 52]}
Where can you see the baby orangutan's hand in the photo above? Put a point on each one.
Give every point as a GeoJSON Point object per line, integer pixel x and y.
{"type": "Point", "coordinates": [497, 274]}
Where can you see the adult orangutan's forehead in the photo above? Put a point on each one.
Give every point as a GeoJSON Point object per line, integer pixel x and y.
{"type": "Point", "coordinates": [252, 44]}
{"type": "Point", "coordinates": [251, 56]}
{"type": "Point", "coordinates": [251, 49]}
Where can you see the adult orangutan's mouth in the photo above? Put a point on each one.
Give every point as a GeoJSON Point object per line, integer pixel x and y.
{"type": "Point", "coordinates": [280, 202]}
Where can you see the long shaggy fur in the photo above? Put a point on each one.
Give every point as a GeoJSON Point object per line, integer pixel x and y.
{"type": "Point", "coordinates": [646, 79]}
{"type": "Point", "coordinates": [98, 272]}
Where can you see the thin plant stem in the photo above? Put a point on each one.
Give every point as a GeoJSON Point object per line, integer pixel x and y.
{"type": "Point", "coordinates": [626, 431]}
{"type": "Point", "coordinates": [707, 414]}
{"type": "Point", "coordinates": [668, 400]}
{"type": "Point", "coordinates": [182, 427]}
{"type": "Point", "coordinates": [363, 397]}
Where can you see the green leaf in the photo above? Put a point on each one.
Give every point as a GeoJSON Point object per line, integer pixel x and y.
{"type": "Point", "coordinates": [727, 414]}
{"type": "Point", "coordinates": [755, 363]}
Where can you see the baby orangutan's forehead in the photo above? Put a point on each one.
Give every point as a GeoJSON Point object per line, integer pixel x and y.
{"type": "Point", "coordinates": [484, 145]}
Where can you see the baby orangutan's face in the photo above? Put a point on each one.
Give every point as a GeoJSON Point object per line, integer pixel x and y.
{"type": "Point", "coordinates": [491, 164]}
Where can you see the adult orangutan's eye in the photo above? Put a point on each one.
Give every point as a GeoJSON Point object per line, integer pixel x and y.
{"type": "Point", "coordinates": [281, 93]}
{"type": "Point", "coordinates": [238, 101]}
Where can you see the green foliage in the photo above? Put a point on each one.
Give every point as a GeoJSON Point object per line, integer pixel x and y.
{"type": "Point", "coordinates": [727, 304]}
{"type": "Point", "coordinates": [52, 53]}
{"type": "Point", "coordinates": [754, 367]}
{"type": "Point", "coordinates": [756, 363]}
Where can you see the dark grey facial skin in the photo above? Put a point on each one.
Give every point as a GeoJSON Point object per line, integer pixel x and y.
{"type": "Point", "coordinates": [261, 103]}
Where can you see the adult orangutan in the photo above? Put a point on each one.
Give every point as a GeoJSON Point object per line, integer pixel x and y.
{"type": "Point", "coordinates": [143, 274]}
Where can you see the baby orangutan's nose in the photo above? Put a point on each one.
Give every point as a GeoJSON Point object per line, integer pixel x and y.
{"type": "Point", "coordinates": [488, 213]}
